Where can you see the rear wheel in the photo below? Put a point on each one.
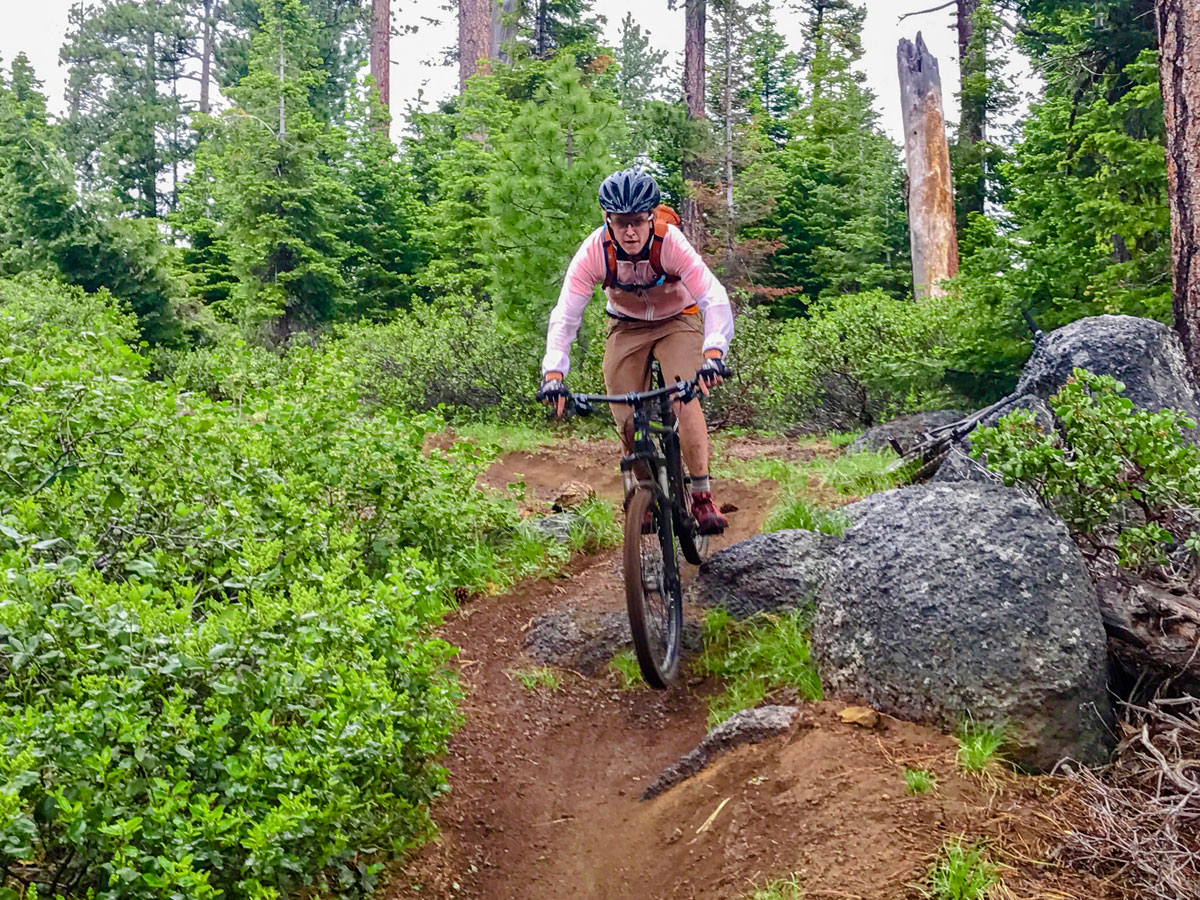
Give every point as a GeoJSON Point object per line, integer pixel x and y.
{"type": "Point", "coordinates": [652, 590]}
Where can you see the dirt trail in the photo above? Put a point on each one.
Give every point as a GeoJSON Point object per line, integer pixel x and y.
{"type": "Point", "coordinates": [544, 784]}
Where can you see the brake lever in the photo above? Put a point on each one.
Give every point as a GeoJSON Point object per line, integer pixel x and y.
{"type": "Point", "coordinates": [582, 406]}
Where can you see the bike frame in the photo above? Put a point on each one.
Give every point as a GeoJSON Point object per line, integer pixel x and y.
{"type": "Point", "coordinates": [664, 462]}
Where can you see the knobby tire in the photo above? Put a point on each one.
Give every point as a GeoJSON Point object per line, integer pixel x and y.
{"type": "Point", "coordinates": [652, 590]}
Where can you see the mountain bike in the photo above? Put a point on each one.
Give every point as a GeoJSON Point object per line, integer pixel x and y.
{"type": "Point", "coordinates": [658, 513]}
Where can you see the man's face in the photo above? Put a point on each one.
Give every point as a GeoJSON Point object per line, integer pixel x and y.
{"type": "Point", "coordinates": [632, 229]}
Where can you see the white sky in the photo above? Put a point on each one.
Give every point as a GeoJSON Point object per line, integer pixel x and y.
{"type": "Point", "coordinates": [37, 29]}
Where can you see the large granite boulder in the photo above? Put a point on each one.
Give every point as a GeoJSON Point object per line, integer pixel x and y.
{"type": "Point", "coordinates": [1144, 354]}
{"type": "Point", "coordinates": [905, 430]}
{"type": "Point", "coordinates": [768, 572]}
{"type": "Point", "coordinates": [953, 600]}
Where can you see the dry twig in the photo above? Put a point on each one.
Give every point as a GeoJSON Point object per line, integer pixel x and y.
{"type": "Point", "coordinates": [1141, 817]}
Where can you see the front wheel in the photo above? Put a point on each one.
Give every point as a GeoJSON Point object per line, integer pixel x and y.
{"type": "Point", "coordinates": [652, 590]}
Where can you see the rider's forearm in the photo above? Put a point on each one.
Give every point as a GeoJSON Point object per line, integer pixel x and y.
{"type": "Point", "coordinates": [564, 325]}
{"type": "Point", "coordinates": [718, 324]}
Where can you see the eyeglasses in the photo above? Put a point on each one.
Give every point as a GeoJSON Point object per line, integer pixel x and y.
{"type": "Point", "coordinates": [622, 222]}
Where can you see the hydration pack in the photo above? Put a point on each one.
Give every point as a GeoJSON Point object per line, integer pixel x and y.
{"type": "Point", "coordinates": [664, 216]}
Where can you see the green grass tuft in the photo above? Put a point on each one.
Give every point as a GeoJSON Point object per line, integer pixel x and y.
{"type": "Point", "coordinates": [919, 781]}
{"type": "Point", "coordinates": [961, 872]}
{"type": "Point", "coordinates": [843, 438]}
{"type": "Point", "coordinates": [757, 657]}
{"type": "Point", "coordinates": [780, 889]}
{"type": "Point", "coordinates": [536, 678]}
{"type": "Point", "coordinates": [979, 746]}
{"type": "Point", "coordinates": [802, 512]}
{"type": "Point", "coordinates": [858, 474]}
{"type": "Point", "coordinates": [624, 667]}
{"type": "Point", "coordinates": [506, 438]}
{"type": "Point", "coordinates": [597, 528]}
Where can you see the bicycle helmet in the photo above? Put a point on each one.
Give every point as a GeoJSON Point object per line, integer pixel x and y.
{"type": "Point", "coordinates": [629, 191]}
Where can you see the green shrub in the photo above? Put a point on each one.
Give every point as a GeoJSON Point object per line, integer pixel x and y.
{"type": "Point", "coordinates": [859, 359]}
{"type": "Point", "coordinates": [453, 353]}
{"type": "Point", "coordinates": [1122, 478]}
{"type": "Point", "coordinates": [756, 657]}
{"type": "Point", "coordinates": [219, 670]}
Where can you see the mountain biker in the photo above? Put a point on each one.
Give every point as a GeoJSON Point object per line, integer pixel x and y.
{"type": "Point", "coordinates": [656, 298]}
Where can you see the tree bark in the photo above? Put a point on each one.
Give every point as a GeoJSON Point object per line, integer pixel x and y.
{"type": "Point", "coordinates": [693, 89]}
{"type": "Point", "coordinates": [973, 122]}
{"type": "Point", "coordinates": [502, 33]}
{"type": "Point", "coordinates": [381, 51]}
{"type": "Point", "coordinates": [1179, 71]}
{"type": "Point", "coordinates": [474, 37]}
{"type": "Point", "coordinates": [206, 55]}
{"type": "Point", "coordinates": [930, 186]}
{"type": "Point", "coordinates": [727, 112]}
{"type": "Point", "coordinates": [972, 127]}
{"type": "Point", "coordinates": [1150, 627]}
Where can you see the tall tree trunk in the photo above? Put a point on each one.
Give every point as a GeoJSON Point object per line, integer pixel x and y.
{"type": "Point", "coordinates": [972, 128]}
{"type": "Point", "coordinates": [693, 90]}
{"type": "Point", "coordinates": [1179, 72]}
{"type": "Point", "coordinates": [150, 179]}
{"type": "Point", "coordinates": [503, 32]}
{"type": "Point", "coordinates": [474, 37]}
{"type": "Point", "coordinates": [727, 112]}
{"type": "Point", "coordinates": [541, 37]}
{"type": "Point", "coordinates": [930, 186]}
{"type": "Point", "coordinates": [206, 55]}
{"type": "Point", "coordinates": [381, 51]}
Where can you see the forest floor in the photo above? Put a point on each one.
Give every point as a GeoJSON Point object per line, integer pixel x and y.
{"type": "Point", "coordinates": [545, 782]}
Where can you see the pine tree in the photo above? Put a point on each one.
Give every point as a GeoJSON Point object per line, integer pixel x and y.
{"type": "Point", "coordinates": [639, 67]}
{"type": "Point", "coordinates": [126, 124]}
{"type": "Point", "coordinates": [546, 26]}
{"type": "Point", "coordinates": [841, 218]}
{"type": "Point", "coordinates": [45, 226]}
{"type": "Point", "coordinates": [278, 206]}
{"type": "Point", "coordinates": [985, 93]}
{"type": "Point", "coordinates": [340, 36]}
{"type": "Point", "coordinates": [378, 227]}
{"type": "Point", "coordinates": [542, 197]}
{"type": "Point", "coordinates": [774, 74]}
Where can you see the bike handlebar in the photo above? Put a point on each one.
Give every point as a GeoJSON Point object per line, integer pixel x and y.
{"type": "Point", "coordinates": [685, 389]}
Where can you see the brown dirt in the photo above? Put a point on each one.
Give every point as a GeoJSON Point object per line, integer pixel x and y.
{"type": "Point", "coordinates": [544, 784]}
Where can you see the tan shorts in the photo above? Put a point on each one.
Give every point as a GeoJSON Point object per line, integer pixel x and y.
{"type": "Point", "coordinates": [677, 343]}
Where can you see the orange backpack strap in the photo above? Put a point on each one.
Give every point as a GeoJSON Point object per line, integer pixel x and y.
{"type": "Point", "coordinates": [665, 218]}
{"type": "Point", "coordinates": [610, 260]}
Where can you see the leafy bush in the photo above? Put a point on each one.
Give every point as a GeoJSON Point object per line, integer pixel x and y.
{"type": "Point", "coordinates": [218, 670]}
{"type": "Point", "coordinates": [453, 353]}
{"type": "Point", "coordinates": [1122, 478]}
{"type": "Point", "coordinates": [859, 359]}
